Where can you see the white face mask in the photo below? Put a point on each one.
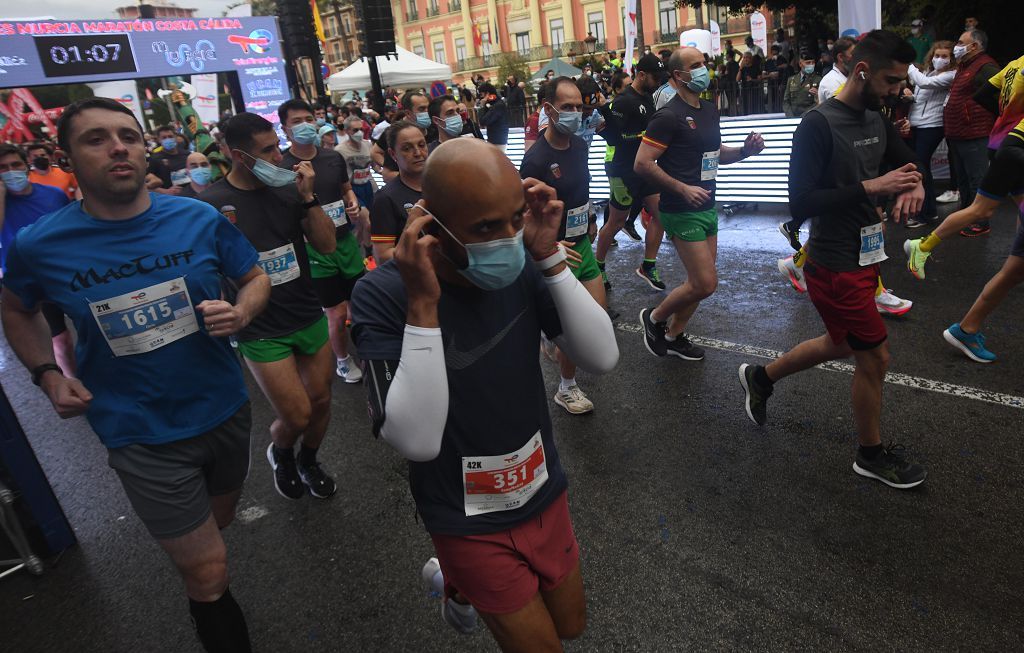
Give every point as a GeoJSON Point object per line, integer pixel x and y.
{"type": "Point", "coordinates": [959, 51]}
{"type": "Point", "coordinates": [939, 63]}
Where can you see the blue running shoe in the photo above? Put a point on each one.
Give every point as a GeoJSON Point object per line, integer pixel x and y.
{"type": "Point", "coordinates": [971, 344]}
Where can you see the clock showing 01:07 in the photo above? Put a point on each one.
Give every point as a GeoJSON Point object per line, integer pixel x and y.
{"type": "Point", "coordinates": [92, 54]}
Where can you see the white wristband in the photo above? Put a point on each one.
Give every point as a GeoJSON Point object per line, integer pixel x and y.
{"type": "Point", "coordinates": [553, 260]}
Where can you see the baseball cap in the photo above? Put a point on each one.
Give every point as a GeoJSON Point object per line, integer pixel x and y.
{"type": "Point", "coordinates": [650, 63]}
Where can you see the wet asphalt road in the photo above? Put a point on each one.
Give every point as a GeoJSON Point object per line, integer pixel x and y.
{"type": "Point", "coordinates": [698, 530]}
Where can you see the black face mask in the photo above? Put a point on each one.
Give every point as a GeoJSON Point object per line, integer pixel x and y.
{"type": "Point", "coordinates": [41, 163]}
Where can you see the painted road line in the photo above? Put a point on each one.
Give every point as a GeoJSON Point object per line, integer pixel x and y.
{"type": "Point", "coordinates": [895, 378]}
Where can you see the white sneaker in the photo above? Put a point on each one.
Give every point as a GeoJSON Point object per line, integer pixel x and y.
{"type": "Point", "coordinates": [349, 371]}
{"type": "Point", "coordinates": [889, 304]}
{"type": "Point", "coordinates": [948, 196]}
{"type": "Point", "coordinates": [793, 274]}
{"type": "Point", "coordinates": [461, 617]}
{"type": "Point", "coordinates": [574, 401]}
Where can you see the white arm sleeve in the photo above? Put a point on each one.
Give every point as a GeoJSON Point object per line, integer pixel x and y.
{"type": "Point", "coordinates": [416, 408]}
{"type": "Point", "coordinates": [588, 337]}
{"type": "Point", "coordinates": [920, 80]}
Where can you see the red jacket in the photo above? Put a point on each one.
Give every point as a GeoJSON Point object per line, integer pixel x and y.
{"type": "Point", "coordinates": [964, 118]}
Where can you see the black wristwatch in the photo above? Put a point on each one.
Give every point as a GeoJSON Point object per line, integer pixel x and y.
{"type": "Point", "coordinates": [311, 203]}
{"type": "Point", "coordinates": [38, 372]}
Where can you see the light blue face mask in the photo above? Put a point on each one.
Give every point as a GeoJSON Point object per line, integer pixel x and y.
{"type": "Point", "coordinates": [494, 264]}
{"type": "Point", "coordinates": [304, 133]}
{"type": "Point", "coordinates": [270, 174]}
{"type": "Point", "coordinates": [320, 122]}
{"type": "Point", "coordinates": [453, 125]}
{"type": "Point", "coordinates": [200, 176]}
{"type": "Point", "coordinates": [808, 70]}
{"type": "Point", "coordinates": [423, 119]}
{"type": "Point", "coordinates": [700, 79]}
{"type": "Point", "coordinates": [568, 121]}
{"type": "Point", "coordinates": [15, 180]}
{"type": "Point", "coordinates": [169, 143]}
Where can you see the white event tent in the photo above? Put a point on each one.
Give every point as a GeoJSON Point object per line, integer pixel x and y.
{"type": "Point", "coordinates": [408, 70]}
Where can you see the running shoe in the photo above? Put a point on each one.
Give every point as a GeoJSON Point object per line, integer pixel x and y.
{"type": "Point", "coordinates": [889, 304]}
{"type": "Point", "coordinates": [349, 371]}
{"type": "Point", "coordinates": [793, 274]}
{"type": "Point", "coordinates": [971, 344]}
{"type": "Point", "coordinates": [915, 257]}
{"type": "Point", "coordinates": [892, 468]}
{"type": "Point", "coordinates": [654, 334]}
{"type": "Point", "coordinates": [615, 243]}
{"type": "Point", "coordinates": [461, 617]}
{"type": "Point", "coordinates": [914, 223]}
{"type": "Point", "coordinates": [630, 230]}
{"type": "Point", "coordinates": [574, 401]}
{"type": "Point", "coordinates": [681, 347]}
{"type": "Point", "coordinates": [791, 235]}
{"type": "Point", "coordinates": [604, 277]}
{"type": "Point", "coordinates": [756, 401]}
{"type": "Point", "coordinates": [286, 475]}
{"type": "Point", "coordinates": [316, 480]}
{"type": "Point", "coordinates": [974, 230]}
{"type": "Point", "coordinates": [652, 277]}
{"type": "Point", "coordinates": [948, 196]}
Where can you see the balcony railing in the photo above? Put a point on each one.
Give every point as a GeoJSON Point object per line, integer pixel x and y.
{"type": "Point", "coordinates": [455, 5]}
{"type": "Point", "coordinates": [567, 50]}
{"type": "Point", "coordinates": [433, 11]}
{"type": "Point", "coordinates": [412, 15]}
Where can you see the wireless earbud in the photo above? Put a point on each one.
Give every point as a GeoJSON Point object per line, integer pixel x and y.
{"type": "Point", "coordinates": [862, 75]}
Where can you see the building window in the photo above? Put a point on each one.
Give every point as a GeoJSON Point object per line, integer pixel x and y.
{"type": "Point", "coordinates": [460, 49]}
{"type": "Point", "coordinates": [433, 10]}
{"type": "Point", "coordinates": [668, 19]}
{"type": "Point", "coordinates": [418, 50]}
{"type": "Point", "coordinates": [329, 28]}
{"type": "Point", "coordinates": [348, 26]}
{"type": "Point", "coordinates": [595, 25]}
{"type": "Point", "coordinates": [414, 14]}
{"type": "Point", "coordinates": [337, 51]}
{"type": "Point", "coordinates": [439, 52]}
{"type": "Point", "coordinates": [557, 33]}
{"type": "Point", "coordinates": [523, 42]}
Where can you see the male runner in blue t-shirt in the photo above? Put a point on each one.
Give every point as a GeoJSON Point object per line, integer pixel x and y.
{"type": "Point", "coordinates": [139, 274]}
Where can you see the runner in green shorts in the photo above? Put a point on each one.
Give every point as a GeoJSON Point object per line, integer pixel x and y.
{"type": "Point", "coordinates": [304, 342]}
{"type": "Point", "coordinates": [692, 226]}
{"type": "Point", "coordinates": [559, 159]}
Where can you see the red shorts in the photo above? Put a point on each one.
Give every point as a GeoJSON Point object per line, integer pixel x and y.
{"type": "Point", "coordinates": [499, 573]}
{"type": "Point", "coordinates": [846, 304]}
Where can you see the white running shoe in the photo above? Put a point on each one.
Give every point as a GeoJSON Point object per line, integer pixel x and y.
{"type": "Point", "coordinates": [889, 304]}
{"type": "Point", "coordinates": [948, 196]}
{"type": "Point", "coordinates": [349, 371]}
{"type": "Point", "coordinates": [793, 274]}
{"type": "Point", "coordinates": [461, 617]}
{"type": "Point", "coordinates": [574, 401]}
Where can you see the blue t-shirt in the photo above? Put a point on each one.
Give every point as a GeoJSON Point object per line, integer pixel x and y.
{"type": "Point", "coordinates": [186, 382]}
{"type": "Point", "coordinates": [497, 400]}
{"type": "Point", "coordinates": [22, 210]}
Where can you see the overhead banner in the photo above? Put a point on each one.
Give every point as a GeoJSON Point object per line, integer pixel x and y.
{"type": "Point", "coordinates": [205, 102]}
{"type": "Point", "coordinates": [759, 31]}
{"type": "Point", "coordinates": [859, 16]}
{"type": "Point", "coordinates": [696, 38]}
{"type": "Point", "coordinates": [124, 91]}
{"type": "Point", "coordinates": [627, 65]}
{"type": "Point", "coordinates": [716, 39]}
{"type": "Point", "coordinates": [36, 53]}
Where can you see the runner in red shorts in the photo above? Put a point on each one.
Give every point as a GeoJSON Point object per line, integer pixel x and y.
{"type": "Point", "coordinates": [838, 150]}
{"type": "Point", "coordinates": [449, 332]}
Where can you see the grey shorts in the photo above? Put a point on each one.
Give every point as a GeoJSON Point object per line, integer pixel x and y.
{"type": "Point", "coordinates": [170, 485]}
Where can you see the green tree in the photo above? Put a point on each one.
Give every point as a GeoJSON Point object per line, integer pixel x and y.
{"type": "Point", "coordinates": [512, 63]}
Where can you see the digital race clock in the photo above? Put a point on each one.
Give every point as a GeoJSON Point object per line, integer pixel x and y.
{"type": "Point", "coordinates": [91, 54]}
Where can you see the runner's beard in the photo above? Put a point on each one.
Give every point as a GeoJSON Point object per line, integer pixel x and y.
{"type": "Point", "coordinates": [119, 191]}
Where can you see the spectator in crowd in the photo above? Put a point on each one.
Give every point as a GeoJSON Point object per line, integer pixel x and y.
{"type": "Point", "coordinates": [777, 71]}
{"type": "Point", "coordinates": [785, 47]}
{"type": "Point", "coordinates": [970, 22]}
{"type": "Point", "coordinates": [532, 130]}
{"type": "Point", "coordinates": [515, 98]}
{"type": "Point", "coordinates": [920, 40]}
{"type": "Point", "coordinates": [802, 88]}
{"type": "Point", "coordinates": [931, 88]}
{"type": "Point", "coordinates": [754, 49]}
{"type": "Point", "coordinates": [968, 123]}
{"type": "Point", "coordinates": [749, 80]}
{"type": "Point", "coordinates": [45, 172]}
{"type": "Point", "coordinates": [842, 54]}
{"type": "Point", "coordinates": [728, 84]}
{"type": "Point", "coordinates": [494, 117]}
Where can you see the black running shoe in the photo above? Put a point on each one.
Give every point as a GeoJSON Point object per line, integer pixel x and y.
{"type": "Point", "coordinates": [756, 403]}
{"type": "Point", "coordinates": [316, 480]}
{"type": "Point", "coordinates": [286, 475]}
{"type": "Point", "coordinates": [654, 334]}
{"type": "Point", "coordinates": [792, 235]}
{"type": "Point", "coordinates": [683, 348]}
{"type": "Point", "coordinates": [892, 468]}
{"type": "Point", "coordinates": [651, 276]}
{"type": "Point", "coordinates": [630, 230]}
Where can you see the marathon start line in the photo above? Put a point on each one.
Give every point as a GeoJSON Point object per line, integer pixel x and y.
{"type": "Point", "coordinates": [894, 378]}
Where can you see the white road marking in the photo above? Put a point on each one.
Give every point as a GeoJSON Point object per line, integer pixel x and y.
{"type": "Point", "coordinates": [895, 378]}
{"type": "Point", "coordinates": [252, 513]}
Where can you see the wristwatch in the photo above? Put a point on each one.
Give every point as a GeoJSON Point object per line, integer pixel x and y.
{"type": "Point", "coordinates": [311, 203]}
{"type": "Point", "coordinates": [551, 261]}
{"type": "Point", "coordinates": [38, 372]}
